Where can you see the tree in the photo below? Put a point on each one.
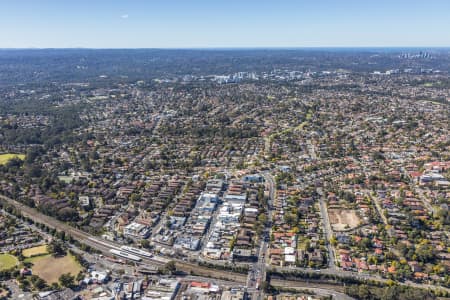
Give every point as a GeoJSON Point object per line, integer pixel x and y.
{"type": "Point", "coordinates": [232, 243]}
{"type": "Point", "coordinates": [66, 280]}
{"type": "Point", "coordinates": [424, 253]}
{"type": "Point", "coordinates": [80, 276]}
{"type": "Point", "coordinates": [68, 214]}
{"type": "Point", "coordinates": [262, 218]}
{"type": "Point", "coordinates": [170, 267]}
{"type": "Point", "coordinates": [34, 171]}
{"type": "Point", "coordinates": [38, 282]}
{"type": "Point", "coordinates": [54, 286]}
{"type": "Point", "coordinates": [145, 244]}
{"type": "Point", "coordinates": [56, 248]}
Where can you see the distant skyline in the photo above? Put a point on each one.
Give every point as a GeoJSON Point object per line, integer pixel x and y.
{"type": "Point", "coordinates": [223, 24]}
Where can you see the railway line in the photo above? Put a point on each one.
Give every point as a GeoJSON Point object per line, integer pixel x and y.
{"type": "Point", "coordinates": [190, 268]}
{"type": "Point", "coordinates": [105, 246]}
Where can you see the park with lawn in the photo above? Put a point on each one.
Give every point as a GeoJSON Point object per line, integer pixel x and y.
{"type": "Point", "coordinates": [4, 158]}
{"type": "Point", "coordinates": [35, 251]}
{"type": "Point", "coordinates": [50, 268]}
{"type": "Point", "coordinates": [7, 262]}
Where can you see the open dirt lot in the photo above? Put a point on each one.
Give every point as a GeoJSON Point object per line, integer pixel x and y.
{"type": "Point", "coordinates": [343, 219]}
{"type": "Point", "coordinates": [50, 268]}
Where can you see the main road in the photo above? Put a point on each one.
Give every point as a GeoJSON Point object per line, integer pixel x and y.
{"type": "Point", "coordinates": [258, 271]}
{"type": "Point", "coordinates": [324, 290]}
{"type": "Point", "coordinates": [324, 214]}
{"type": "Point", "coordinates": [327, 229]}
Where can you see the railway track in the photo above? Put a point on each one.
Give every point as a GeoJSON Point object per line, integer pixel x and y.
{"type": "Point", "coordinates": [105, 246]}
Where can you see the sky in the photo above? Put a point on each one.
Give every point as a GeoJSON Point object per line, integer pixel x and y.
{"type": "Point", "coordinates": [223, 23]}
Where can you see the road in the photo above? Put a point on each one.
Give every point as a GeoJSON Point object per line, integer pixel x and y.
{"type": "Point", "coordinates": [205, 239]}
{"type": "Point", "coordinates": [424, 200]}
{"type": "Point", "coordinates": [324, 215]}
{"type": "Point", "coordinates": [378, 207]}
{"type": "Point", "coordinates": [336, 291]}
{"type": "Point", "coordinates": [385, 221]}
{"type": "Point", "coordinates": [361, 277]}
{"type": "Point", "coordinates": [327, 229]}
{"type": "Point", "coordinates": [161, 222]}
{"type": "Point", "coordinates": [258, 269]}
{"type": "Point", "coordinates": [225, 283]}
{"type": "Point", "coordinates": [311, 149]}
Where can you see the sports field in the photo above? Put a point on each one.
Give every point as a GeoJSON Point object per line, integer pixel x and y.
{"type": "Point", "coordinates": [35, 251]}
{"type": "Point", "coordinates": [4, 158]}
{"type": "Point", "coordinates": [51, 268]}
{"type": "Point", "coordinates": [7, 261]}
